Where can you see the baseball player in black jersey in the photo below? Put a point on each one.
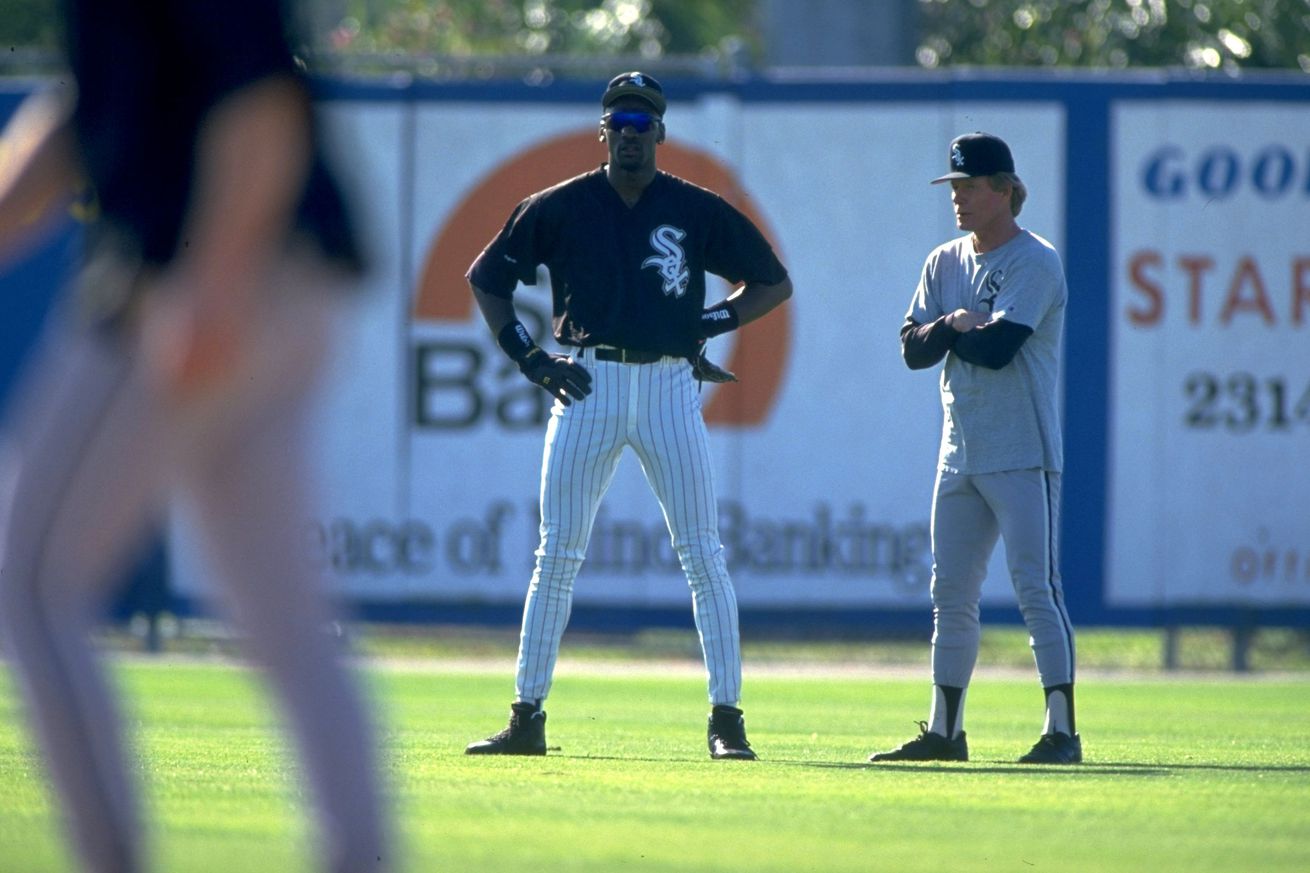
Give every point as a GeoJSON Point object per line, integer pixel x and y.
{"type": "Point", "coordinates": [991, 304]}
{"type": "Point", "coordinates": [180, 370]}
{"type": "Point", "coordinates": [627, 247]}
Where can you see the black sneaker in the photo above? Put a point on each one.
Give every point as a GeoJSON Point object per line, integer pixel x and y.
{"type": "Point", "coordinates": [526, 734]}
{"type": "Point", "coordinates": [1055, 749]}
{"type": "Point", "coordinates": [928, 746]}
{"type": "Point", "coordinates": [727, 735]}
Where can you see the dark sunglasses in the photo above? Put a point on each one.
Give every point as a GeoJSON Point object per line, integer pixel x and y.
{"type": "Point", "coordinates": [638, 121]}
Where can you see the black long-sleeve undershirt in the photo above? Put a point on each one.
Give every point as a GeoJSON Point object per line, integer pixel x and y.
{"type": "Point", "coordinates": [992, 346]}
{"type": "Point", "coordinates": [923, 345]}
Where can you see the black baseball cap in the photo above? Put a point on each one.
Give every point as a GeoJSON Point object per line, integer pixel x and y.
{"type": "Point", "coordinates": [977, 154]}
{"type": "Point", "coordinates": [635, 84]}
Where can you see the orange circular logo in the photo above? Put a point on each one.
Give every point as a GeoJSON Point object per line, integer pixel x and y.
{"type": "Point", "coordinates": [761, 349]}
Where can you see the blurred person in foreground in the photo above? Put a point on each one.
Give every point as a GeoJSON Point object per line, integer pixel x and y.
{"type": "Point", "coordinates": [180, 367]}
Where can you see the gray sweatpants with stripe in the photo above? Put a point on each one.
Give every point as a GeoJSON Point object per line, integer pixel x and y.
{"type": "Point", "coordinates": [969, 514]}
{"type": "Point", "coordinates": [89, 459]}
{"type": "Point", "coordinates": [656, 410]}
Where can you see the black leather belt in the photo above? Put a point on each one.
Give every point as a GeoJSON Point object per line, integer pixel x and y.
{"type": "Point", "coordinates": [627, 356]}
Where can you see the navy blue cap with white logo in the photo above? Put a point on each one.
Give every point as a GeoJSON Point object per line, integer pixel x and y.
{"type": "Point", "coordinates": [977, 154]}
{"type": "Point", "coordinates": [635, 84]}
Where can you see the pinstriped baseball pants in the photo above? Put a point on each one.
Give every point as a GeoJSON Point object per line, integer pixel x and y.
{"type": "Point", "coordinates": [656, 410]}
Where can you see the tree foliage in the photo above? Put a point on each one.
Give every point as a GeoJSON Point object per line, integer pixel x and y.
{"type": "Point", "coordinates": [463, 28]}
{"type": "Point", "coordinates": [30, 34]}
{"type": "Point", "coordinates": [1199, 34]}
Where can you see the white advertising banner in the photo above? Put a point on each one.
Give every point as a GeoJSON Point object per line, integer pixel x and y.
{"type": "Point", "coordinates": [1209, 489]}
{"type": "Point", "coordinates": [824, 452]}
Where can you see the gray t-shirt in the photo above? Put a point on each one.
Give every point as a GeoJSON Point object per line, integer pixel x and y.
{"type": "Point", "coordinates": [1006, 419]}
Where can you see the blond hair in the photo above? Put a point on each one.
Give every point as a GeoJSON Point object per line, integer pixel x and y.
{"type": "Point", "coordinates": [1018, 190]}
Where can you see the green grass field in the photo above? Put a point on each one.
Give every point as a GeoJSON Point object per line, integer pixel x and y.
{"type": "Point", "coordinates": [1195, 772]}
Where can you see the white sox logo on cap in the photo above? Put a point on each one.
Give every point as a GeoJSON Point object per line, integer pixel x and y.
{"type": "Point", "coordinates": [635, 84]}
{"type": "Point", "coordinates": [977, 154]}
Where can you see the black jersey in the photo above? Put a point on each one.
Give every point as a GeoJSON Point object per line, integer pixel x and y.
{"type": "Point", "coordinates": [625, 276]}
{"type": "Point", "coordinates": [148, 72]}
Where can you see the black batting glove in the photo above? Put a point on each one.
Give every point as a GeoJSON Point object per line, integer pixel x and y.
{"type": "Point", "coordinates": [560, 377]}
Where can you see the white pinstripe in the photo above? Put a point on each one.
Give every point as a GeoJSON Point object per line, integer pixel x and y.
{"type": "Point", "coordinates": [655, 409]}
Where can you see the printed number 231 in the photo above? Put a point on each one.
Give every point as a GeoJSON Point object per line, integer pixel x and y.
{"type": "Point", "coordinates": [1241, 402]}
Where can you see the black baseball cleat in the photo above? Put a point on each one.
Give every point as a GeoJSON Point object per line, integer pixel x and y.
{"type": "Point", "coordinates": [727, 735]}
{"type": "Point", "coordinates": [526, 734]}
{"type": "Point", "coordinates": [928, 746]}
{"type": "Point", "coordinates": [1055, 748]}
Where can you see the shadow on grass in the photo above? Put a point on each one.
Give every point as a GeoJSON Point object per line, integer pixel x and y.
{"type": "Point", "coordinates": [1229, 768]}
{"type": "Point", "coordinates": [969, 768]}
{"type": "Point", "coordinates": [1089, 768]}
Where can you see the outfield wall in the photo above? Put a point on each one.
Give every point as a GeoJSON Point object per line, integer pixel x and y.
{"type": "Point", "coordinates": [1180, 208]}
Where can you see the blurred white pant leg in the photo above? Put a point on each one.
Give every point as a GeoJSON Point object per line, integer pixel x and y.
{"type": "Point", "coordinates": [245, 461]}
{"type": "Point", "coordinates": [80, 485]}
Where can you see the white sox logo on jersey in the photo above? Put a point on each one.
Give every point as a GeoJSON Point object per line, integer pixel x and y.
{"type": "Point", "coordinates": [994, 280]}
{"type": "Point", "coordinates": [671, 260]}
